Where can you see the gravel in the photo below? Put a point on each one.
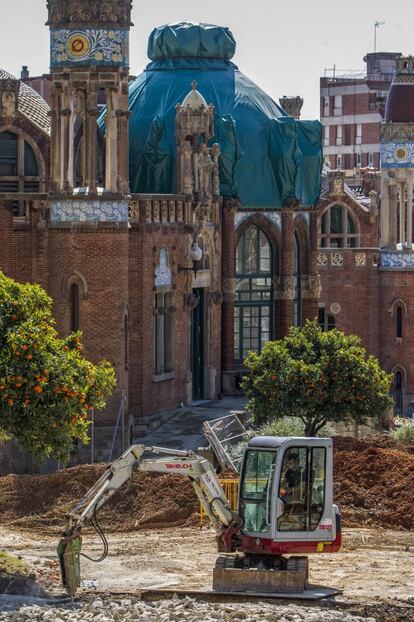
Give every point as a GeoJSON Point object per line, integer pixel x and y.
{"type": "Point", "coordinates": [174, 610]}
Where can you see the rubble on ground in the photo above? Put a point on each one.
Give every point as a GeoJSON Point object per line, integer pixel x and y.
{"type": "Point", "coordinates": [175, 610]}
{"type": "Point", "coordinates": [373, 485]}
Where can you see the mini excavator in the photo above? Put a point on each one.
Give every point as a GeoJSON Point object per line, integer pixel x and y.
{"type": "Point", "coordinates": [285, 510]}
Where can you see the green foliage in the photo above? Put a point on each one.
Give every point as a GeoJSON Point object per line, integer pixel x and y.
{"type": "Point", "coordinates": [46, 386]}
{"type": "Point", "coordinates": [317, 377]}
{"type": "Point", "coordinates": [290, 426]}
{"type": "Point", "coordinates": [405, 433]}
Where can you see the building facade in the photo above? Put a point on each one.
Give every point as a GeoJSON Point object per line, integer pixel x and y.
{"type": "Point", "coordinates": [352, 109]}
{"type": "Point", "coordinates": [174, 241]}
{"type": "Point", "coordinates": [366, 257]}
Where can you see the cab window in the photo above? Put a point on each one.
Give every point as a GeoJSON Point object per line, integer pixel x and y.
{"type": "Point", "coordinates": [255, 491]}
{"type": "Point", "coordinates": [302, 488]}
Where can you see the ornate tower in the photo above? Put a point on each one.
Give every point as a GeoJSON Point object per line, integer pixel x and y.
{"type": "Point", "coordinates": [88, 225]}
{"type": "Point", "coordinates": [397, 160]}
{"type": "Point", "coordinates": [89, 59]}
{"type": "Point", "coordinates": [197, 164]}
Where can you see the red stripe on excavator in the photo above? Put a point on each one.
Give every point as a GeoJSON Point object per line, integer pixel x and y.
{"type": "Point", "coordinates": [266, 546]}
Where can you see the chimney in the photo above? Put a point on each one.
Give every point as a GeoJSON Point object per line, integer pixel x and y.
{"type": "Point", "coordinates": [292, 105]}
{"type": "Point", "coordinates": [24, 74]}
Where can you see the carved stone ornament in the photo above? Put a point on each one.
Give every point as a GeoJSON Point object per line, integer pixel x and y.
{"type": "Point", "coordinates": [285, 288]}
{"type": "Point", "coordinates": [89, 12]}
{"type": "Point", "coordinates": [292, 203]}
{"type": "Point", "coordinates": [396, 131]}
{"type": "Point", "coordinates": [322, 259]}
{"type": "Point", "coordinates": [9, 97]}
{"type": "Point", "coordinates": [337, 259]}
{"type": "Point", "coordinates": [205, 168]}
{"type": "Point", "coordinates": [133, 210]}
{"type": "Point", "coordinates": [228, 286]}
{"type": "Point", "coordinates": [311, 286]}
{"type": "Point", "coordinates": [360, 259]}
{"type": "Point", "coordinates": [216, 298]}
{"type": "Point", "coordinates": [190, 301]}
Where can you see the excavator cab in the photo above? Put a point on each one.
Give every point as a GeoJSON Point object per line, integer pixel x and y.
{"type": "Point", "coordinates": [286, 496]}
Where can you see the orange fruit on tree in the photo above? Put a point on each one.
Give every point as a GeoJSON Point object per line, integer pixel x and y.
{"type": "Point", "coordinates": [38, 389]}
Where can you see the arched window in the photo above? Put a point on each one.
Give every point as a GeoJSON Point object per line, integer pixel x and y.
{"type": "Point", "coordinates": [399, 322]}
{"type": "Point", "coordinates": [398, 392]}
{"type": "Point", "coordinates": [74, 307]}
{"type": "Point", "coordinates": [253, 312]}
{"type": "Point", "coordinates": [19, 170]}
{"type": "Point", "coordinates": [337, 228]}
{"type": "Point", "coordinates": [297, 303]}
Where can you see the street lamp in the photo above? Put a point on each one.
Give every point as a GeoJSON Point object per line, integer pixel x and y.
{"type": "Point", "coordinates": [195, 254]}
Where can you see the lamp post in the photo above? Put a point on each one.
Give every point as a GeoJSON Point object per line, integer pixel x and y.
{"type": "Point", "coordinates": [195, 254]}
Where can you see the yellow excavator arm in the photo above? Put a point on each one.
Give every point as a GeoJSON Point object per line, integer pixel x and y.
{"type": "Point", "coordinates": [176, 462]}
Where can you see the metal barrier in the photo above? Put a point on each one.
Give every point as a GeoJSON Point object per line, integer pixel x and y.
{"type": "Point", "coordinates": [231, 490]}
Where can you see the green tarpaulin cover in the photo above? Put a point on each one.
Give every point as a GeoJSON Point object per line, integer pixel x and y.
{"type": "Point", "coordinates": [267, 156]}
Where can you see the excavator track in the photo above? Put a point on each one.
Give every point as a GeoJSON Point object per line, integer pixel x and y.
{"type": "Point", "coordinates": [242, 575]}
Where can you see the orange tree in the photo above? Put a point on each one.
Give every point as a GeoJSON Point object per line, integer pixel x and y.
{"type": "Point", "coordinates": [46, 385]}
{"type": "Point", "coordinates": [318, 377]}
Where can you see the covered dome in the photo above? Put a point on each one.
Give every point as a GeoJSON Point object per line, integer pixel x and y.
{"type": "Point", "coordinates": [267, 156]}
{"type": "Point", "coordinates": [400, 101]}
{"type": "Point", "coordinates": [31, 104]}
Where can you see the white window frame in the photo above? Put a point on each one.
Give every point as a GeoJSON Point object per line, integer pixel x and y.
{"type": "Point", "coordinates": [326, 135]}
{"type": "Point", "coordinates": [338, 160]}
{"type": "Point", "coordinates": [358, 134]}
{"type": "Point", "coordinates": [371, 159]}
{"type": "Point", "coordinates": [326, 106]}
{"type": "Point", "coordinates": [339, 135]}
{"type": "Point", "coordinates": [337, 105]}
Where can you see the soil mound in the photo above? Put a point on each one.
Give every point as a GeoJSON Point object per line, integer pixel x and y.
{"type": "Point", "coordinates": [146, 500]}
{"type": "Point", "coordinates": [373, 485]}
{"type": "Point", "coordinates": [374, 482]}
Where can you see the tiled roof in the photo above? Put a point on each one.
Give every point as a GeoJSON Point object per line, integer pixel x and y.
{"type": "Point", "coordinates": [31, 104]}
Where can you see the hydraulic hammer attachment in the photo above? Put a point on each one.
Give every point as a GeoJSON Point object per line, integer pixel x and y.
{"type": "Point", "coordinates": [68, 551]}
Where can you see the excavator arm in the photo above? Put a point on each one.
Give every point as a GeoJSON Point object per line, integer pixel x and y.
{"type": "Point", "coordinates": [176, 462]}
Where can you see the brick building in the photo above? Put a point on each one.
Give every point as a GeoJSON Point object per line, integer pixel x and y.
{"type": "Point", "coordinates": [352, 109]}
{"type": "Point", "coordinates": [366, 246]}
{"type": "Point", "coordinates": [175, 233]}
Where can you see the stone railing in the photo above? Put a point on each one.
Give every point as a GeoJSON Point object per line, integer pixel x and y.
{"type": "Point", "coordinates": [162, 210]}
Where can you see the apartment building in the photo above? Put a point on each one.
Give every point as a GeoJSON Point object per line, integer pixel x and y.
{"type": "Point", "coordinates": [352, 108]}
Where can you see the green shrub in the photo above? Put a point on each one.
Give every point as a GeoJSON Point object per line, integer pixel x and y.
{"type": "Point", "coordinates": [405, 433]}
{"type": "Point", "coordinates": [290, 426]}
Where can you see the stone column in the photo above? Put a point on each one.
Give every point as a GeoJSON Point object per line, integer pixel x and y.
{"type": "Point", "coordinates": [123, 115]}
{"type": "Point", "coordinates": [228, 290]}
{"type": "Point", "coordinates": [393, 203]}
{"type": "Point", "coordinates": [312, 288]}
{"type": "Point", "coordinates": [410, 212]}
{"type": "Point", "coordinates": [385, 214]}
{"type": "Point", "coordinates": [111, 141]}
{"type": "Point", "coordinates": [55, 120]}
{"type": "Point", "coordinates": [401, 202]}
{"type": "Point", "coordinates": [285, 292]}
{"type": "Point", "coordinates": [91, 133]}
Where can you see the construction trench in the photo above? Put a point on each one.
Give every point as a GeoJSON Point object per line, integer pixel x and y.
{"type": "Point", "coordinates": [160, 561]}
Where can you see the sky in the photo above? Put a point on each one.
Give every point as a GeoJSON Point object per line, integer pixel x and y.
{"type": "Point", "coordinates": [282, 46]}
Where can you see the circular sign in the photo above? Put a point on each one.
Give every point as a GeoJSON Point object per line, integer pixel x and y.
{"type": "Point", "coordinates": [401, 153]}
{"type": "Point", "coordinates": [335, 308]}
{"type": "Point", "coordinates": [78, 45]}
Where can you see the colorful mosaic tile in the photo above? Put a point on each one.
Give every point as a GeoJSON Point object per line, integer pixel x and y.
{"type": "Point", "coordinates": [89, 46]}
{"type": "Point", "coordinates": [89, 211]}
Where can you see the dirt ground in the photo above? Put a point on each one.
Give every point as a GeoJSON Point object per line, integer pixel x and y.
{"type": "Point", "coordinates": [375, 565]}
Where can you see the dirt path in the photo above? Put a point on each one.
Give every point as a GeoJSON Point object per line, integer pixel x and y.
{"type": "Point", "coordinates": [374, 565]}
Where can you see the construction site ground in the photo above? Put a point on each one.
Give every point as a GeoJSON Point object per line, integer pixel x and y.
{"type": "Point", "coordinates": [374, 569]}
{"type": "Point", "coordinates": [157, 548]}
